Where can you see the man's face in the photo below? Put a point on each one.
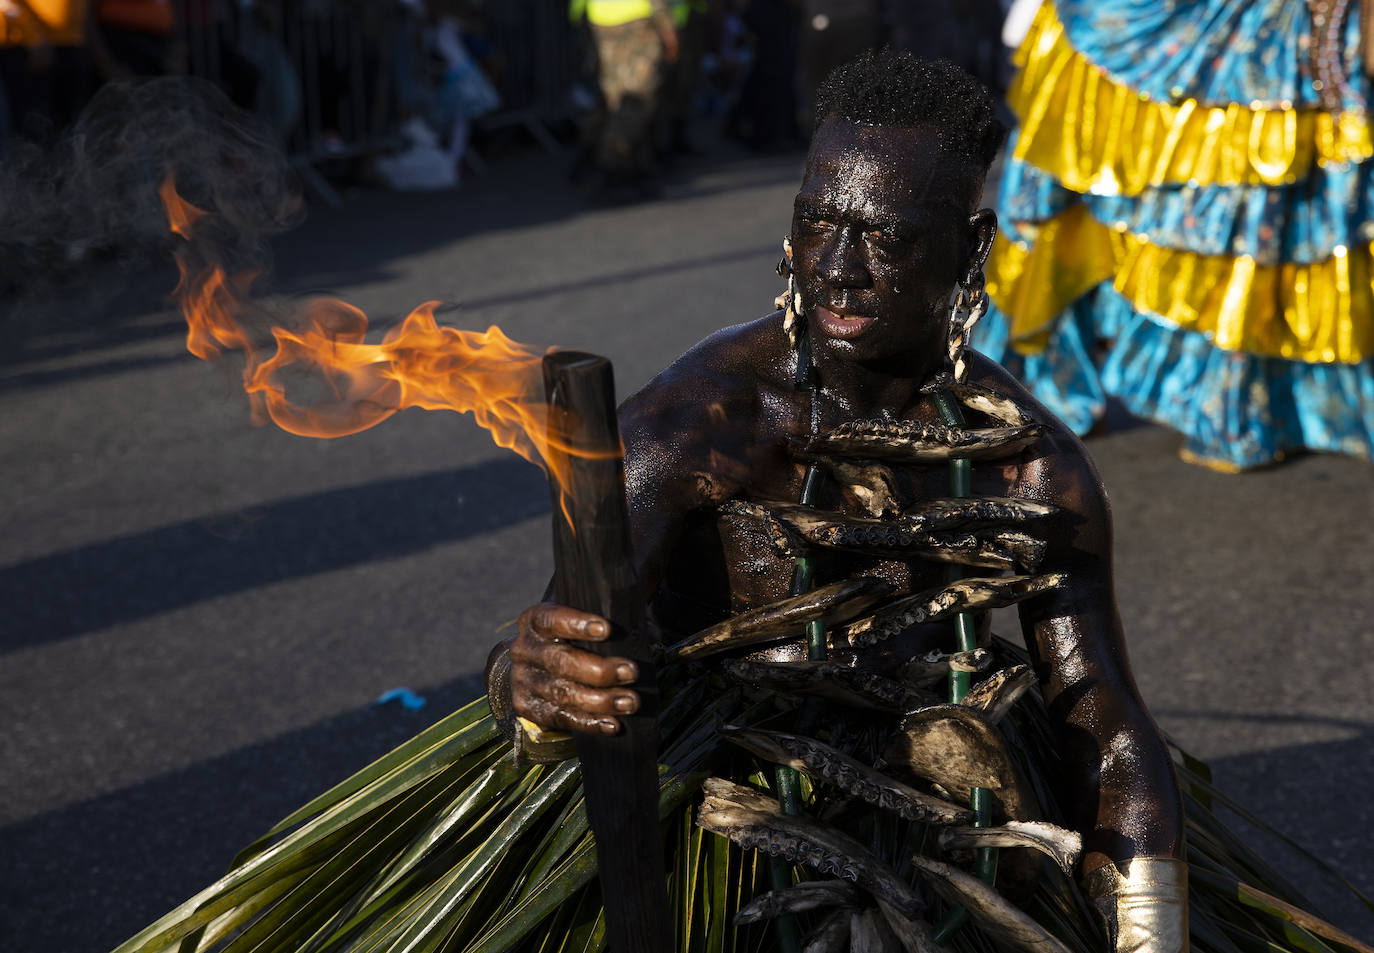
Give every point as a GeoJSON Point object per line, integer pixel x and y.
{"type": "Point", "coordinates": [880, 234]}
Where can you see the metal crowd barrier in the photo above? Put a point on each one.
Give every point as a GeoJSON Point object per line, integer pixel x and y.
{"type": "Point", "coordinates": [544, 58]}
{"type": "Point", "coordinates": [334, 78]}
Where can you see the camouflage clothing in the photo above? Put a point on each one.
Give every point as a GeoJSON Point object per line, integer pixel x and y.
{"type": "Point", "coordinates": [631, 69]}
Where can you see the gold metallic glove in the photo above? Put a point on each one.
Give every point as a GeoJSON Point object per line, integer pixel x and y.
{"type": "Point", "coordinates": [1145, 904]}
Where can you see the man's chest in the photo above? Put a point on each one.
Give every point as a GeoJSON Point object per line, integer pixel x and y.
{"type": "Point", "coordinates": [863, 508]}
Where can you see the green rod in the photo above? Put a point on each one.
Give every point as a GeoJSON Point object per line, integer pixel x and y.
{"type": "Point", "coordinates": [779, 870]}
{"type": "Point", "coordinates": [788, 780]}
{"type": "Point", "coordinates": [980, 799]}
{"type": "Point", "coordinates": [803, 570]}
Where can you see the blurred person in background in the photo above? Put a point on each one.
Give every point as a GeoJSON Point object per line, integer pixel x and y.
{"type": "Point", "coordinates": [1187, 213]}
{"type": "Point", "coordinates": [275, 94]}
{"type": "Point", "coordinates": [421, 163]}
{"type": "Point", "coordinates": [765, 116]}
{"type": "Point", "coordinates": [693, 21]}
{"type": "Point", "coordinates": [636, 42]}
{"type": "Point", "coordinates": [441, 89]}
{"type": "Point", "coordinates": [726, 60]}
{"type": "Point", "coordinates": [464, 91]}
{"type": "Point", "coordinates": [52, 58]}
{"type": "Point", "coordinates": [472, 19]}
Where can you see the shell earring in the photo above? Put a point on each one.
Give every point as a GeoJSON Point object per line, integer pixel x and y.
{"type": "Point", "coordinates": [970, 304]}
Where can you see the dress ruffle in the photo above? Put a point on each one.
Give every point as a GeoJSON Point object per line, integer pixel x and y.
{"type": "Point", "coordinates": [1298, 223]}
{"type": "Point", "coordinates": [1185, 227]}
{"type": "Point", "coordinates": [1217, 52]}
{"type": "Point", "coordinates": [1320, 313]}
{"type": "Point", "coordinates": [1098, 134]}
{"type": "Point", "coordinates": [1235, 410]}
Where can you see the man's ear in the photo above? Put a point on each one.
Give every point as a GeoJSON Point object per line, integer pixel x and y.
{"type": "Point", "coordinates": [982, 230]}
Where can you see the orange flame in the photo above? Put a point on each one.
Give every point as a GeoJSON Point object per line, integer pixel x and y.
{"type": "Point", "coordinates": [417, 364]}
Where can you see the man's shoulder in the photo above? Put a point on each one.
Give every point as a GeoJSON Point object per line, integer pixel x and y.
{"type": "Point", "coordinates": [1057, 469]}
{"type": "Point", "coordinates": [1059, 454]}
{"type": "Point", "coordinates": [986, 372]}
{"type": "Point", "coordinates": [706, 409]}
{"type": "Point", "coordinates": [726, 373]}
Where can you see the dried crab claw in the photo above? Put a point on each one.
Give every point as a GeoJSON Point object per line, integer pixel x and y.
{"type": "Point", "coordinates": [995, 695]}
{"type": "Point", "coordinates": [974, 511]}
{"type": "Point", "coordinates": [910, 442]}
{"type": "Point", "coordinates": [992, 913]}
{"type": "Point", "coordinates": [834, 680]}
{"type": "Point", "coordinates": [990, 545]}
{"type": "Point", "coordinates": [985, 400]}
{"type": "Point", "coordinates": [754, 820]}
{"type": "Point", "coordinates": [850, 775]}
{"type": "Point", "coordinates": [873, 484]}
{"type": "Point", "coordinates": [809, 895]}
{"type": "Point", "coordinates": [831, 604]}
{"type": "Point", "coordinates": [957, 748]}
{"type": "Point", "coordinates": [964, 595]}
{"type": "Point", "coordinates": [985, 514]}
{"type": "Point", "coordinates": [1061, 845]}
{"type": "Point", "coordinates": [935, 666]}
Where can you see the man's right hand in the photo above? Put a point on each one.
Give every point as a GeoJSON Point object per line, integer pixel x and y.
{"type": "Point", "coordinates": [561, 687]}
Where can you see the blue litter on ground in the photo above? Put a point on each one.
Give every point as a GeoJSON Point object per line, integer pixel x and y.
{"type": "Point", "coordinates": [407, 698]}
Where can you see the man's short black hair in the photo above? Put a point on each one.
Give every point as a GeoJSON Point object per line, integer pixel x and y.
{"type": "Point", "coordinates": [889, 88]}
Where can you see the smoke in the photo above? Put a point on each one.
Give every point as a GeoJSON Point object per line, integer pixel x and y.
{"type": "Point", "coordinates": [90, 199]}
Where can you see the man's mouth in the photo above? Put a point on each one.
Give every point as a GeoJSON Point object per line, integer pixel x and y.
{"type": "Point", "coordinates": [839, 325]}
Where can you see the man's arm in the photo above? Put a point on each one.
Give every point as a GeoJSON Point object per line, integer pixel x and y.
{"type": "Point", "coordinates": [666, 26]}
{"type": "Point", "coordinates": [541, 675]}
{"type": "Point", "coordinates": [1120, 781]}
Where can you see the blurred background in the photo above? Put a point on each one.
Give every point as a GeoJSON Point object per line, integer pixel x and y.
{"type": "Point", "coordinates": [344, 83]}
{"type": "Point", "coordinates": [204, 623]}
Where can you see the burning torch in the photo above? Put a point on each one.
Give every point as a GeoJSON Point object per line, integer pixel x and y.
{"type": "Point", "coordinates": [594, 572]}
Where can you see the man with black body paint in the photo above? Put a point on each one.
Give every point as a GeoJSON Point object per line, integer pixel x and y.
{"type": "Point", "coordinates": [886, 222]}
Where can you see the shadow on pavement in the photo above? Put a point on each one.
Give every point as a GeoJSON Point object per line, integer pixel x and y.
{"type": "Point", "coordinates": [92, 307]}
{"type": "Point", "coordinates": [1310, 804]}
{"type": "Point", "coordinates": [121, 580]}
{"type": "Point", "coordinates": [84, 878]}
{"type": "Point", "coordinates": [121, 334]}
{"type": "Point", "coordinates": [617, 277]}
{"type": "Point", "coordinates": [27, 380]}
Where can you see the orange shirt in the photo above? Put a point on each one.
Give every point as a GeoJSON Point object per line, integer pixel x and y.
{"type": "Point", "coordinates": [31, 22]}
{"type": "Point", "coordinates": [145, 16]}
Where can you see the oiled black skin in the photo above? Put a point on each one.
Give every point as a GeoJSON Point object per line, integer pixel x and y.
{"type": "Point", "coordinates": [882, 228]}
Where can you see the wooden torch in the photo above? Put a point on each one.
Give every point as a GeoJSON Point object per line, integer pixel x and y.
{"type": "Point", "coordinates": [594, 571]}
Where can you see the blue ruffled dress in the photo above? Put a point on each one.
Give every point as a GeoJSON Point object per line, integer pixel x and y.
{"type": "Point", "coordinates": [1186, 216]}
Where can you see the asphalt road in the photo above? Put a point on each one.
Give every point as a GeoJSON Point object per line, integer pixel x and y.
{"type": "Point", "coordinates": [197, 615]}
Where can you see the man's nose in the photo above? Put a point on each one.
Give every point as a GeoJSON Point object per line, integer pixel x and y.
{"type": "Point", "coordinates": [842, 262]}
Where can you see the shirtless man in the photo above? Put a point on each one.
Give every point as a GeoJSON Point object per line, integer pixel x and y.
{"type": "Point", "coordinates": [885, 224]}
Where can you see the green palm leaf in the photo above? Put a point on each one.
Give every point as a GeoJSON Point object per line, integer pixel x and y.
{"type": "Point", "coordinates": [450, 733]}
{"type": "Point", "coordinates": [447, 908]}
{"type": "Point", "coordinates": [446, 844]}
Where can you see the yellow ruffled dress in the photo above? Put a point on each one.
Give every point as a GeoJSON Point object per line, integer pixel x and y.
{"type": "Point", "coordinates": [1187, 225]}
